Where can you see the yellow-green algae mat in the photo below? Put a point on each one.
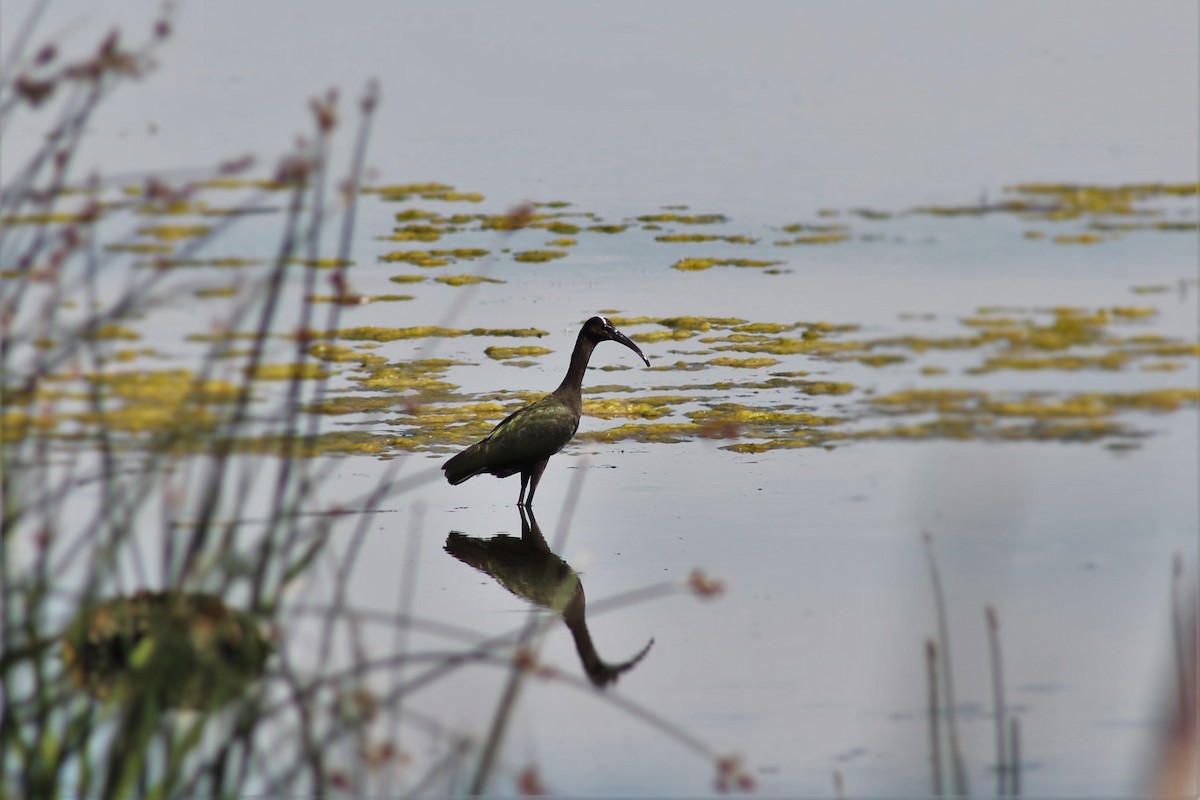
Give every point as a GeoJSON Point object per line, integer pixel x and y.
{"type": "Point", "coordinates": [788, 365]}
{"type": "Point", "coordinates": [791, 367]}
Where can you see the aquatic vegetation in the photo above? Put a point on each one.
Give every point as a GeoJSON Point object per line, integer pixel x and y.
{"type": "Point", "coordinates": [112, 331]}
{"type": "Point", "coordinates": [339, 354]}
{"type": "Point", "coordinates": [420, 258]}
{"type": "Point", "coordinates": [538, 256]}
{"type": "Point", "coordinates": [661, 432]}
{"type": "Point", "coordinates": [287, 372]}
{"type": "Point", "coordinates": [321, 263]}
{"type": "Point", "coordinates": [410, 214]}
{"type": "Point", "coordinates": [813, 238]}
{"type": "Point", "coordinates": [358, 299]}
{"type": "Point", "coordinates": [505, 353]}
{"type": "Point", "coordinates": [635, 407]}
{"type": "Point", "coordinates": [687, 237]}
{"type": "Point", "coordinates": [173, 232]}
{"type": "Point", "coordinates": [380, 334]}
{"type": "Point", "coordinates": [465, 280]}
{"type": "Point", "coordinates": [415, 232]}
{"type": "Point", "coordinates": [186, 650]}
{"type": "Point", "coordinates": [744, 363]}
{"type": "Point", "coordinates": [1079, 238]}
{"type": "Point", "coordinates": [202, 262]}
{"type": "Point", "coordinates": [608, 228]}
{"type": "Point", "coordinates": [140, 248]}
{"type": "Point", "coordinates": [698, 264]}
{"type": "Point", "coordinates": [685, 219]}
{"type": "Point", "coordinates": [403, 192]}
{"type": "Point", "coordinates": [216, 291]}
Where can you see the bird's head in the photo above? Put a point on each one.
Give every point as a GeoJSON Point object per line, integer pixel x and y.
{"type": "Point", "coordinates": [599, 329]}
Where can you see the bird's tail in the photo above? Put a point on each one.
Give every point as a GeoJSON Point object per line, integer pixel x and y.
{"type": "Point", "coordinates": [467, 464]}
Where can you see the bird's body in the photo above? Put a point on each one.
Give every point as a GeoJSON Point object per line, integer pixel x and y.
{"type": "Point", "coordinates": [524, 440]}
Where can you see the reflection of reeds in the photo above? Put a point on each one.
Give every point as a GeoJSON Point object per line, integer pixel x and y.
{"type": "Point", "coordinates": [959, 771]}
{"type": "Point", "coordinates": [940, 701]}
{"type": "Point", "coordinates": [933, 716]}
{"type": "Point", "coordinates": [1002, 765]}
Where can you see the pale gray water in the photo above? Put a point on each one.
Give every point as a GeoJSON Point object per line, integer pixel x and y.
{"type": "Point", "coordinates": [812, 660]}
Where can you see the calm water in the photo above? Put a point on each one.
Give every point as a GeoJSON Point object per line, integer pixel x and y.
{"type": "Point", "coordinates": [812, 660]}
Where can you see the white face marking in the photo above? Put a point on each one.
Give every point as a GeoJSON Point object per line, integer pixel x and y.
{"type": "Point", "coordinates": [607, 324]}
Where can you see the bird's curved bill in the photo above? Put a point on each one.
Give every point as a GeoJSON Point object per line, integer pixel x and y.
{"type": "Point", "coordinates": [617, 336]}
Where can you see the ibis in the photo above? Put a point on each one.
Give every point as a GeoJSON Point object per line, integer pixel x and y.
{"type": "Point", "coordinates": [524, 440]}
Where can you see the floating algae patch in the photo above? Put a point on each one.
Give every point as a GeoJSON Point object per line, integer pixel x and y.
{"type": "Point", "coordinates": [112, 331]}
{"type": "Point", "coordinates": [338, 354]}
{"type": "Point", "coordinates": [419, 258]}
{"type": "Point", "coordinates": [415, 232]}
{"type": "Point", "coordinates": [352, 404]}
{"type": "Point", "coordinates": [321, 263]}
{"type": "Point", "coordinates": [168, 233]}
{"type": "Point", "coordinates": [486, 413]}
{"type": "Point", "coordinates": [562, 243]}
{"type": "Point", "coordinates": [1080, 238]}
{"type": "Point", "coordinates": [1036, 416]}
{"type": "Point", "coordinates": [633, 407]}
{"type": "Point", "coordinates": [970, 428]}
{"type": "Point", "coordinates": [506, 353]}
{"type": "Point", "coordinates": [430, 258]}
{"type": "Point", "coordinates": [649, 337]}
{"type": "Point", "coordinates": [139, 248]}
{"type": "Point", "coordinates": [699, 324]}
{"type": "Point", "coordinates": [168, 402]}
{"type": "Point", "coordinates": [422, 376]}
{"type": "Point", "coordinates": [761, 420]}
{"type": "Point", "coordinates": [380, 334]}
{"type": "Point", "coordinates": [357, 299]}
{"type": "Point", "coordinates": [1069, 363]}
{"type": "Point", "coordinates": [877, 359]}
{"type": "Point", "coordinates": [322, 444]}
{"type": "Point", "coordinates": [813, 238]}
{"type": "Point", "coordinates": [765, 327]}
{"type": "Point", "coordinates": [697, 264]}
{"type": "Point", "coordinates": [1168, 349]}
{"type": "Point", "coordinates": [687, 237]}
{"type": "Point", "coordinates": [287, 372]}
{"type": "Point", "coordinates": [661, 432]}
{"type": "Point", "coordinates": [743, 363]}
{"type": "Point", "coordinates": [398, 192]}
{"type": "Point", "coordinates": [465, 280]}
{"type": "Point", "coordinates": [784, 345]}
{"type": "Point", "coordinates": [685, 219]}
{"type": "Point", "coordinates": [608, 228]}
{"type": "Point", "coordinates": [204, 262]}
{"type": "Point", "coordinates": [216, 291]}
{"type": "Point", "coordinates": [694, 264]}
{"type": "Point", "coordinates": [538, 256]}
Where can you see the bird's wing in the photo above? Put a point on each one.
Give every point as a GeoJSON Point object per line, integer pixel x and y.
{"type": "Point", "coordinates": [532, 433]}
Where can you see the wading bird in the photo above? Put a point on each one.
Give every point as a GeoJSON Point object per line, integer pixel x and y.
{"type": "Point", "coordinates": [524, 440]}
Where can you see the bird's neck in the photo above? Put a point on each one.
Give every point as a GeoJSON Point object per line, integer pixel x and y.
{"type": "Point", "coordinates": [572, 384]}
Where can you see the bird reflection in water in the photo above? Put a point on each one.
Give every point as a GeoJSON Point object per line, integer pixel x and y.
{"type": "Point", "coordinates": [528, 569]}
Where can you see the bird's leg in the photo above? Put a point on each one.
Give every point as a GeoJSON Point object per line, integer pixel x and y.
{"type": "Point", "coordinates": [535, 475]}
{"type": "Point", "coordinates": [524, 480]}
